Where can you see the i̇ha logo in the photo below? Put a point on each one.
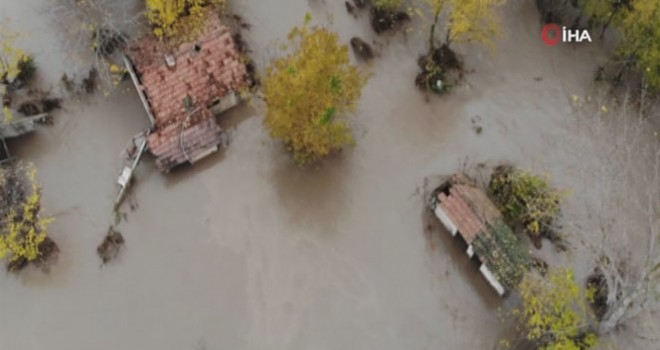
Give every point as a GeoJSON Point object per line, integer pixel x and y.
{"type": "Point", "coordinates": [552, 34]}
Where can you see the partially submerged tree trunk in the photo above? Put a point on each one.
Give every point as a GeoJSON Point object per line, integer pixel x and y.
{"type": "Point", "coordinates": [634, 299]}
{"type": "Point", "coordinates": [620, 224]}
{"type": "Point", "coordinates": [436, 16]}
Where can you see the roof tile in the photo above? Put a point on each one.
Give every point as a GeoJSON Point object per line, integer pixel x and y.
{"type": "Point", "coordinates": [204, 76]}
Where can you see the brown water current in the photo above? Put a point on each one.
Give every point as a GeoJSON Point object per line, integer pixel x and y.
{"type": "Point", "coordinates": [247, 251]}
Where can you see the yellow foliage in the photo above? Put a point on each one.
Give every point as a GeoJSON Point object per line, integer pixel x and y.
{"type": "Point", "coordinates": [555, 312]}
{"type": "Point", "coordinates": [177, 18]}
{"type": "Point", "coordinates": [526, 198]}
{"type": "Point", "coordinates": [474, 21]}
{"type": "Point", "coordinates": [603, 11]}
{"type": "Point", "coordinates": [309, 90]}
{"type": "Point", "coordinates": [390, 5]}
{"type": "Point", "coordinates": [8, 114]}
{"type": "Point", "coordinates": [11, 57]}
{"type": "Point", "coordinates": [23, 229]}
{"type": "Point", "coordinates": [641, 42]}
{"type": "Point", "coordinates": [637, 21]}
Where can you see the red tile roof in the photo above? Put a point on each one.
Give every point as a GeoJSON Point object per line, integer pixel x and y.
{"type": "Point", "coordinates": [469, 209]}
{"type": "Point", "coordinates": [479, 222]}
{"type": "Point", "coordinates": [467, 222]}
{"type": "Point", "coordinates": [204, 71]}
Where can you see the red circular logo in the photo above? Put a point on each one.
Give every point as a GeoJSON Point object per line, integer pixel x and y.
{"type": "Point", "coordinates": [556, 34]}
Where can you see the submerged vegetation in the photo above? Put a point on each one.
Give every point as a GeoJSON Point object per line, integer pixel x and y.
{"type": "Point", "coordinates": [470, 21]}
{"type": "Point", "coordinates": [16, 66]}
{"type": "Point", "coordinates": [387, 16]}
{"type": "Point", "coordinates": [526, 200]}
{"type": "Point", "coordinates": [178, 18]}
{"type": "Point", "coordinates": [637, 40]}
{"type": "Point", "coordinates": [111, 246]}
{"type": "Point", "coordinates": [309, 93]}
{"type": "Point", "coordinates": [23, 229]}
{"type": "Point", "coordinates": [503, 253]}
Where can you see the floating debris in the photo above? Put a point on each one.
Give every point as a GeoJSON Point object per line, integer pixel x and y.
{"type": "Point", "coordinates": [362, 49]}
{"type": "Point", "coordinates": [109, 249]}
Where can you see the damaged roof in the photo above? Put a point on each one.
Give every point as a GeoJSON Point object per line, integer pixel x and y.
{"type": "Point", "coordinates": [480, 223]}
{"type": "Point", "coordinates": [181, 84]}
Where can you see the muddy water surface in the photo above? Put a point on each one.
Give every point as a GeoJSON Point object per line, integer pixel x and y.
{"type": "Point", "coordinates": [247, 251]}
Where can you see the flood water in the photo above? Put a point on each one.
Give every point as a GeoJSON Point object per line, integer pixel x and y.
{"type": "Point", "coordinates": [247, 251]}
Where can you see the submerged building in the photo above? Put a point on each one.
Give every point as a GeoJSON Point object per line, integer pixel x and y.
{"type": "Point", "coordinates": [184, 88]}
{"type": "Point", "coordinates": [466, 211]}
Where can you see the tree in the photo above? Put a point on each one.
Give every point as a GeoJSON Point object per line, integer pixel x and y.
{"type": "Point", "coordinates": [16, 69]}
{"type": "Point", "coordinates": [473, 21]}
{"type": "Point", "coordinates": [526, 199]}
{"type": "Point", "coordinates": [176, 18]}
{"type": "Point", "coordinates": [554, 312]}
{"type": "Point", "coordinates": [308, 93]}
{"type": "Point", "coordinates": [616, 216]}
{"type": "Point", "coordinates": [436, 7]}
{"type": "Point", "coordinates": [16, 66]}
{"type": "Point", "coordinates": [637, 21]}
{"type": "Point", "coordinates": [606, 12]}
{"type": "Point", "coordinates": [469, 21]}
{"type": "Point", "coordinates": [641, 40]}
{"type": "Point", "coordinates": [23, 237]}
{"type": "Point", "coordinates": [97, 29]}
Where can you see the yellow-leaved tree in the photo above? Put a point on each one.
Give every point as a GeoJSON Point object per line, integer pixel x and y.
{"type": "Point", "coordinates": [16, 68]}
{"type": "Point", "coordinates": [554, 312]}
{"type": "Point", "coordinates": [308, 93]}
{"type": "Point", "coordinates": [527, 200]}
{"type": "Point", "coordinates": [606, 12]}
{"type": "Point", "coordinates": [469, 21]}
{"type": "Point", "coordinates": [474, 21]}
{"type": "Point", "coordinates": [176, 18]}
{"type": "Point", "coordinates": [12, 59]}
{"type": "Point", "coordinates": [22, 227]}
{"type": "Point", "coordinates": [641, 39]}
{"type": "Point", "coordinates": [637, 22]}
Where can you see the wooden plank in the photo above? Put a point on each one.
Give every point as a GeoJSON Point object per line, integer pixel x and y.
{"type": "Point", "coordinates": [138, 88]}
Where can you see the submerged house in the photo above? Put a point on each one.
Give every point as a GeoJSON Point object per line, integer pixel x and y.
{"type": "Point", "coordinates": [184, 88]}
{"type": "Point", "coordinates": [466, 211]}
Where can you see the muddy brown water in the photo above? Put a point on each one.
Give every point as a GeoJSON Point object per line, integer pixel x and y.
{"type": "Point", "coordinates": [246, 250]}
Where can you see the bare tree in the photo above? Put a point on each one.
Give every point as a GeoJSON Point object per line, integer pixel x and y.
{"type": "Point", "coordinates": [98, 30]}
{"type": "Point", "coordinates": [616, 213]}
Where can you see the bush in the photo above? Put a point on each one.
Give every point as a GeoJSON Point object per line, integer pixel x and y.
{"type": "Point", "coordinates": [525, 200]}
{"type": "Point", "coordinates": [16, 67]}
{"type": "Point", "coordinates": [27, 69]}
{"type": "Point", "coordinates": [23, 236]}
{"type": "Point", "coordinates": [178, 18]}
